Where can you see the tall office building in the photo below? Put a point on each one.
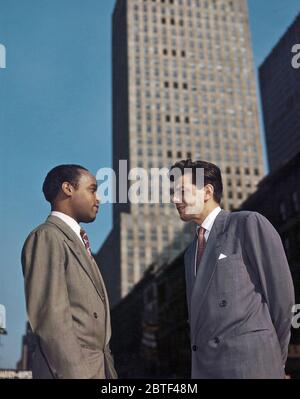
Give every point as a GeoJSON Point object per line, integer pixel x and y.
{"type": "Point", "coordinates": [279, 79]}
{"type": "Point", "coordinates": [183, 86]}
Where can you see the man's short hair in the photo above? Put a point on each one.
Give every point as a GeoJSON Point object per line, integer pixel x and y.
{"type": "Point", "coordinates": [212, 174]}
{"type": "Point", "coordinates": [57, 176]}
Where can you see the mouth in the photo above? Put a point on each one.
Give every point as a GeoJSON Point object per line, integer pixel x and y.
{"type": "Point", "coordinates": [180, 209]}
{"type": "Point", "coordinates": [97, 208]}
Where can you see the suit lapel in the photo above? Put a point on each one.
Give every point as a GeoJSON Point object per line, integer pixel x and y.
{"type": "Point", "coordinates": [80, 253]}
{"type": "Point", "coordinates": [189, 270]}
{"type": "Point", "coordinates": [207, 267]}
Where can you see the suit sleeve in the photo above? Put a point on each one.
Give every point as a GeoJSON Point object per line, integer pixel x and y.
{"type": "Point", "coordinates": [48, 305]}
{"type": "Point", "coordinates": [264, 248]}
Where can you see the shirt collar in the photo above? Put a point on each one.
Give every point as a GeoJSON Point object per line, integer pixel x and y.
{"type": "Point", "coordinates": [208, 222]}
{"type": "Point", "coordinates": [68, 220]}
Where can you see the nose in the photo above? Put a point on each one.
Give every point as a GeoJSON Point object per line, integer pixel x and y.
{"type": "Point", "coordinates": [98, 199]}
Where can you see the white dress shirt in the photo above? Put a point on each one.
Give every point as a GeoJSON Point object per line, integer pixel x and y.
{"type": "Point", "coordinates": [207, 224]}
{"type": "Point", "coordinates": [70, 222]}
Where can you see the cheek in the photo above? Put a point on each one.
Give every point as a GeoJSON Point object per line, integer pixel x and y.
{"type": "Point", "coordinates": [82, 200]}
{"type": "Point", "coordinates": [190, 199]}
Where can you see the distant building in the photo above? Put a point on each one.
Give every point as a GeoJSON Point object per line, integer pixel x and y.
{"type": "Point", "coordinates": [280, 93]}
{"type": "Point", "coordinates": [27, 350]}
{"type": "Point", "coordinates": [183, 87]}
{"type": "Point", "coordinates": [150, 329]}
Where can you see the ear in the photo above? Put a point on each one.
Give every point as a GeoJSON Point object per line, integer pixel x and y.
{"type": "Point", "coordinates": [208, 192]}
{"type": "Point", "coordinates": [67, 189]}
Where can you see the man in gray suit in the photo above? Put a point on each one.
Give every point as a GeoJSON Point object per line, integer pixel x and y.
{"type": "Point", "coordinates": [239, 288]}
{"type": "Point", "coordinates": [67, 303]}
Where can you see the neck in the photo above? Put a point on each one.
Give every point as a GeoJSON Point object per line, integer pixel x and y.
{"type": "Point", "coordinates": [199, 219]}
{"type": "Point", "coordinates": [64, 210]}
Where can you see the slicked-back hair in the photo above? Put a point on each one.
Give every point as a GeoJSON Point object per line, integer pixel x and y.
{"type": "Point", "coordinates": [57, 176]}
{"type": "Point", "coordinates": [212, 174]}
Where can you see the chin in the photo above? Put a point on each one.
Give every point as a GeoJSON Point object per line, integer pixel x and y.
{"type": "Point", "coordinates": [88, 219]}
{"type": "Point", "coordinates": [183, 217]}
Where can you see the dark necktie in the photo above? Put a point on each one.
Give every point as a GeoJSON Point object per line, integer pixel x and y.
{"type": "Point", "coordinates": [201, 246]}
{"type": "Point", "coordinates": [85, 240]}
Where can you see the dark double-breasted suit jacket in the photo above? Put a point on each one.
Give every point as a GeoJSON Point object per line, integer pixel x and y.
{"type": "Point", "coordinates": [240, 306]}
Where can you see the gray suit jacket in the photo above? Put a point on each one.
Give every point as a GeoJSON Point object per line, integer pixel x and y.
{"type": "Point", "coordinates": [240, 307]}
{"type": "Point", "coordinates": [67, 305]}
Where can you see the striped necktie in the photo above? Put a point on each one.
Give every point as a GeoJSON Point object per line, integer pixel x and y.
{"type": "Point", "coordinates": [85, 240]}
{"type": "Point", "coordinates": [201, 245]}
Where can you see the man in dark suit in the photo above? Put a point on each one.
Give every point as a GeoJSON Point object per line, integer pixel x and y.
{"type": "Point", "coordinates": [239, 288]}
{"type": "Point", "coordinates": [66, 300]}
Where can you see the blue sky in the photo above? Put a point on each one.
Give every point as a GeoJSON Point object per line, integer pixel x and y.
{"type": "Point", "coordinates": [55, 107]}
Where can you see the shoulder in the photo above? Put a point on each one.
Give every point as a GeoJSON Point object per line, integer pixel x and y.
{"type": "Point", "coordinates": [248, 220]}
{"type": "Point", "coordinates": [248, 216]}
{"type": "Point", "coordinates": [257, 225]}
{"type": "Point", "coordinates": [240, 215]}
{"type": "Point", "coordinates": [46, 231]}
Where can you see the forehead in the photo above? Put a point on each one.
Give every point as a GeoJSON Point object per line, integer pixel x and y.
{"type": "Point", "coordinates": [86, 178]}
